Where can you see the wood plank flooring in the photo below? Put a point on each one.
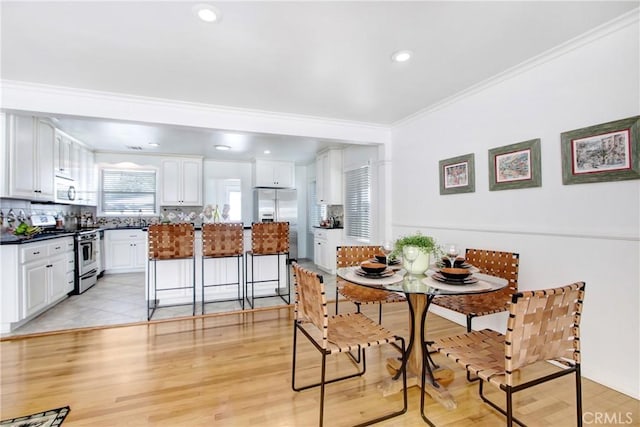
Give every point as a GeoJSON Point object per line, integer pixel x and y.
{"type": "Point", "coordinates": [235, 370]}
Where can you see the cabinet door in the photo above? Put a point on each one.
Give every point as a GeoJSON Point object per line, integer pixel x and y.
{"type": "Point", "coordinates": [35, 287]}
{"type": "Point", "coordinates": [22, 178]}
{"type": "Point", "coordinates": [171, 183]}
{"type": "Point", "coordinates": [62, 155]}
{"type": "Point", "coordinates": [192, 182]}
{"type": "Point", "coordinates": [45, 173]}
{"type": "Point", "coordinates": [321, 164]}
{"type": "Point", "coordinates": [284, 174]}
{"type": "Point", "coordinates": [318, 252]}
{"type": "Point", "coordinates": [58, 285]}
{"type": "Point", "coordinates": [119, 255]}
{"type": "Point", "coordinates": [139, 254]}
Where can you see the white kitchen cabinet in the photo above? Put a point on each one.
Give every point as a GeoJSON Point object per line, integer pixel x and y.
{"type": "Point", "coordinates": [87, 189]}
{"type": "Point", "coordinates": [325, 242]}
{"type": "Point", "coordinates": [181, 182]}
{"type": "Point", "coordinates": [274, 174]}
{"type": "Point", "coordinates": [126, 250]}
{"type": "Point", "coordinates": [62, 155]}
{"type": "Point", "coordinates": [35, 276]}
{"type": "Point", "coordinates": [31, 147]}
{"type": "Point", "coordinates": [329, 178]}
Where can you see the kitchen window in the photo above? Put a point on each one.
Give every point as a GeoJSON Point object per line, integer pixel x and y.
{"type": "Point", "coordinates": [126, 191]}
{"type": "Point", "coordinates": [357, 209]}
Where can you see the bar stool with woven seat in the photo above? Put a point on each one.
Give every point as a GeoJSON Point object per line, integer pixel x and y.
{"type": "Point", "coordinates": [334, 335]}
{"type": "Point", "coordinates": [222, 241]}
{"type": "Point", "coordinates": [268, 239]}
{"type": "Point", "coordinates": [349, 256]}
{"type": "Point", "coordinates": [169, 242]}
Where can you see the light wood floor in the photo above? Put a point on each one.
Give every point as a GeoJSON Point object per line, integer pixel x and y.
{"type": "Point", "coordinates": [235, 370]}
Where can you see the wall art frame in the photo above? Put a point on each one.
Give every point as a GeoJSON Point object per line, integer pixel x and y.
{"type": "Point", "coordinates": [457, 175]}
{"type": "Point", "coordinates": [601, 153]}
{"type": "Point", "coordinates": [515, 166]}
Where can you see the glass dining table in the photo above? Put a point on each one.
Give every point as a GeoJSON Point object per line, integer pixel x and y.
{"type": "Point", "coordinates": [420, 290]}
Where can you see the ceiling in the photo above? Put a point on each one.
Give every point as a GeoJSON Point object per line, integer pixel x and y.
{"type": "Point", "coordinates": [319, 59]}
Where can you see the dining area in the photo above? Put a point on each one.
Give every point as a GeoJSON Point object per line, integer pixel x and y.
{"type": "Point", "coordinates": [414, 274]}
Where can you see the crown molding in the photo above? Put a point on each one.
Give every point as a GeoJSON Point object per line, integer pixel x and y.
{"type": "Point", "coordinates": [48, 99]}
{"type": "Point", "coordinates": [616, 24]}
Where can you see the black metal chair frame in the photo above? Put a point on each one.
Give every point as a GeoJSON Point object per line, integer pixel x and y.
{"type": "Point", "coordinates": [240, 298]}
{"type": "Point", "coordinates": [285, 297]}
{"type": "Point", "coordinates": [151, 308]}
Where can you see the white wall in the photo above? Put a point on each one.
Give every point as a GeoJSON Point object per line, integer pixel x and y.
{"type": "Point", "coordinates": [586, 232]}
{"type": "Point", "coordinates": [213, 170]}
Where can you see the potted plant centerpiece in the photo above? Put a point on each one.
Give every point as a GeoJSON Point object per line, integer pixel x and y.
{"type": "Point", "coordinates": [426, 246]}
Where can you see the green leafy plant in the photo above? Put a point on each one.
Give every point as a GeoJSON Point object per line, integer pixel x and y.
{"type": "Point", "coordinates": [427, 244]}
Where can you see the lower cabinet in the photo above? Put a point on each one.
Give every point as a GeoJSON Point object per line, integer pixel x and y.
{"type": "Point", "coordinates": [35, 276]}
{"type": "Point", "coordinates": [325, 242]}
{"type": "Point", "coordinates": [126, 250]}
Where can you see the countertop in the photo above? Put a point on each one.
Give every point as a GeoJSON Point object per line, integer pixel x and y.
{"type": "Point", "coordinates": [11, 239]}
{"type": "Point", "coordinates": [328, 228]}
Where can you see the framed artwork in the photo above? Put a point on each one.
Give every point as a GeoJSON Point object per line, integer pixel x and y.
{"type": "Point", "coordinates": [515, 166]}
{"type": "Point", "coordinates": [457, 175]}
{"type": "Point", "coordinates": [604, 152]}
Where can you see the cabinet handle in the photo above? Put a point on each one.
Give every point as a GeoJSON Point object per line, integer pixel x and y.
{"type": "Point", "coordinates": [36, 253]}
{"type": "Point", "coordinates": [50, 265]}
{"type": "Point", "coordinates": [57, 247]}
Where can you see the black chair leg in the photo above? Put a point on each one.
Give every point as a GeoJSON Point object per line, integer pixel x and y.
{"type": "Point", "coordinates": [579, 395]}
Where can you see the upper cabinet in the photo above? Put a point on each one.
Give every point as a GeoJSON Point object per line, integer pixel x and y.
{"type": "Point", "coordinates": [274, 174]}
{"type": "Point", "coordinates": [329, 178]}
{"type": "Point", "coordinates": [62, 155]}
{"type": "Point", "coordinates": [181, 182]}
{"type": "Point", "coordinates": [86, 178]}
{"type": "Point", "coordinates": [31, 146]}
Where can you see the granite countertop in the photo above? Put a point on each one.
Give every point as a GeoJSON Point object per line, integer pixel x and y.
{"type": "Point", "coordinates": [329, 228]}
{"type": "Point", "coordinates": [11, 239]}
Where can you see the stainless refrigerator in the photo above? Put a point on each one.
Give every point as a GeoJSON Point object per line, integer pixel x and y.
{"type": "Point", "coordinates": [271, 204]}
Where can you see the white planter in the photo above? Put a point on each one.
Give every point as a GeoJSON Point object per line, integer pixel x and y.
{"type": "Point", "coordinates": [420, 265]}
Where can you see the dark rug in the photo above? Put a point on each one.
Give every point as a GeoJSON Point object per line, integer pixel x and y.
{"type": "Point", "coordinates": [50, 418]}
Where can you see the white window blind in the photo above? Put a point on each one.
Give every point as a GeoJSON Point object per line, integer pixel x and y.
{"type": "Point", "coordinates": [357, 208]}
{"type": "Point", "coordinates": [128, 191]}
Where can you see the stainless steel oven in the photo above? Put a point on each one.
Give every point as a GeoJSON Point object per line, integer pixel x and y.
{"type": "Point", "coordinates": [87, 264]}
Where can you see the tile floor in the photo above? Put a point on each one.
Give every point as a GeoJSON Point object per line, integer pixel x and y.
{"type": "Point", "coordinates": [119, 299]}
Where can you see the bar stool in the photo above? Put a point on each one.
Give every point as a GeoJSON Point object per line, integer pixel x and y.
{"type": "Point", "coordinates": [222, 241]}
{"type": "Point", "coordinates": [169, 242]}
{"type": "Point", "coordinates": [268, 239]}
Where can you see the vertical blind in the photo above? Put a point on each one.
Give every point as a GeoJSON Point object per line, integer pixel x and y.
{"type": "Point", "coordinates": [128, 191]}
{"type": "Point", "coordinates": [358, 203]}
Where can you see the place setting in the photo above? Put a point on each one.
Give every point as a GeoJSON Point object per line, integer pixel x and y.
{"type": "Point", "coordinates": [373, 272]}
{"type": "Point", "coordinates": [454, 274]}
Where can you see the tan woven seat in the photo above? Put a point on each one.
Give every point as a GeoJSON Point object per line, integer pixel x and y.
{"type": "Point", "coordinates": [495, 263]}
{"type": "Point", "coordinates": [542, 325]}
{"type": "Point", "coordinates": [223, 240]}
{"type": "Point", "coordinates": [333, 335]}
{"type": "Point", "coordinates": [349, 256]}
{"type": "Point", "coordinates": [169, 242]}
{"type": "Point", "coordinates": [268, 239]}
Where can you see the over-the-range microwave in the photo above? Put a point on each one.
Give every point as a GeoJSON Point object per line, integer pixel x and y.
{"type": "Point", "coordinates": [65, 190]}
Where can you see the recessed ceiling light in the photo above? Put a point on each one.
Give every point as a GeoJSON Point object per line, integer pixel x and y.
{"type": "Point", "coordinates": [223, 147]}
{"type": "Point", "coordinates": [207, 13]}
{"type": "Point", "coordinates": [267, 152]}
{"type": "Point", "coordinates": [154, 144]}
{"type": "Point", "coordinates": [402, 56]}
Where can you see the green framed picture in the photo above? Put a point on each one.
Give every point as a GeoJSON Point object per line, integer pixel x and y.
{"type": "Point", "coordinates": [515, 166]}
{"type": "Point", "coordinates": [457, 175]}
{"type": "Point", "coordinates": [599, 153]}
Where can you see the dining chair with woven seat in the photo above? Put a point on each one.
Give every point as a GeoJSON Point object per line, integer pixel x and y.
{"type": "Point", "coordinates": [543, 325]}
{"type": "Point", "coordinates": [334, 335]}
{"type": "Point", "coordinates": [350, 256]}
{"type": "Point", "coordinates": [495, 263]}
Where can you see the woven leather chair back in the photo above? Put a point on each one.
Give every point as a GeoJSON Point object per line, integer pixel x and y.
{"type": "Point", "coordinates": [170, 241]}
{"type": "Point", "coordinates": [269, 238]}
{"type": "Point", "coordinates": [495, 263]}
{"type": "Point", "coordinates": [221, 240]}
{"type": "Point", "coordinates": [349, 256]}
{"type": "Point", "coordinates": [543, 325]}
{"type": "Point", "coordinates": [311, 301]}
